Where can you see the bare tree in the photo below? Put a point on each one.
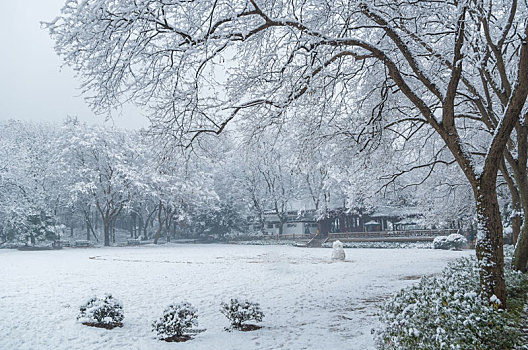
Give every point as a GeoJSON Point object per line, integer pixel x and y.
{"type": "Point", "coordinates": [295, 56]}
{"type": "Point", "coordinates": [101, 167]}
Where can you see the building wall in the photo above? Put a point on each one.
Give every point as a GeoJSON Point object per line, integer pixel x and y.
{"type": "Point", "coordinates": [300, 228]}
{"type": "Point", "coordinates": [292, 226]}
{"type": "Point", "coordinates": [271, 228]}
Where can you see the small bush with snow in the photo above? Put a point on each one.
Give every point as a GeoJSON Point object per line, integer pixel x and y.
{"type": "Point", "coordinates": [338, 253]}
{"type": "Point", "coordinates": [104, 313]}
{"type": "Point", "coordinates": [176, 320]}
{"type": "Point", "coordinates": [447, 312]}
{"type": "Point", "coordinates": [454, 241]}
{"type": "Point", "coordinates": [239, 312]}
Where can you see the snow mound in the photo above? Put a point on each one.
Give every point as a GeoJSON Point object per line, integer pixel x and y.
{"type": "Point", "coordinates": [338, 253]}
{"type": "Point", "coordinates": [453, 241]}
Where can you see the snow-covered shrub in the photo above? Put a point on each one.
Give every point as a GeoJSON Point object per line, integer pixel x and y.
{"type": "Point", "coordinates": [239, 312]}
{"type": "Point", "coordinates": [176, 319]}
{"type": "Point", "coordinates": [447, 312]}
{"type": "Point", "coordinates": [453, 241]}
{"type": "Point", "coordinates": [338, 253]}
{"type": "Point", "coordinates": [104, 313]}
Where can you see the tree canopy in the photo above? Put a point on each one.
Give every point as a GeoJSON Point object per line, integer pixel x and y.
{"type": "Point", "coordinates": [458, 69]}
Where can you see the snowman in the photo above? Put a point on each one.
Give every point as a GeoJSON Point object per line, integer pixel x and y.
{"type": "Point", "coordinates": [337, 251]}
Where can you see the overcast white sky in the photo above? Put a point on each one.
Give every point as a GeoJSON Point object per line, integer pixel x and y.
{"type": "Point", "coordinates": [32, 84]}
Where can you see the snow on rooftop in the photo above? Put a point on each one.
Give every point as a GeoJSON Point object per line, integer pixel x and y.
{"type": "Point", "coordinates": [372, 223]}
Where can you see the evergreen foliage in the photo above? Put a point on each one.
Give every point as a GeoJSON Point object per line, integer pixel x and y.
{"type": "Point", "coordinates": [449, 312]}
{"type": "Point", "coordinates": [239, 312]}
{"type": "Point", "coordinates": [106, 312]}
{"type": "Point", "coordinates": [175, 320]}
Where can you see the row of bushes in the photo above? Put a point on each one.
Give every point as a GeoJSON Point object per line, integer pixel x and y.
{"type": "Point", "coordinates": [177, 319]}
{"type": "Point", "coordinates": [447, 312]}
{"type": "Point", "coordinates": [454, 241]}
{"type": "Point", "coordinates": [383, 245]}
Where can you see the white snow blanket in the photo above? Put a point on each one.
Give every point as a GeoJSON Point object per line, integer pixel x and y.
{"type": "Point", "coordinates": [308, 303]}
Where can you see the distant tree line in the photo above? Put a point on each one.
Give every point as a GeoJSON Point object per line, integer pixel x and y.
{"type": "Point", "coordinates": [77, 181]}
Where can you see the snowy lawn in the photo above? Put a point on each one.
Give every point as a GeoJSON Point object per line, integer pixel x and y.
{"type": "Point", "coordinates": [309, 302]}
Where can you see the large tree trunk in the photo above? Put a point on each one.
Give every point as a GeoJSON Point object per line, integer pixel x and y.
{"type": "Point", "coordinates": [87, 230]}
{"type": "Point", "coordinates": [516, 217]}
{"type": "Point", "coordinates": [145, 233]}
{"type": "Point", "coordinates": [516, 222]}
{"type": "Point", "coordinates": [106, 226]}
{"type": "Point", "coordinates": [146, 223]}
{"type": "Point", "coordinates": [134, 226]}
{"type": "Point", "coordinates": [520, 258]}
{"type": "Point", "coordinates": [160, 224]}
{"type": "Point", "coordinates": [489, 244]}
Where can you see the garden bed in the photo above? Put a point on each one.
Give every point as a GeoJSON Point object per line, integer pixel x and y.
{"type": "Point", "coordinates": [103, 325]}
{"type": "Point", "coordinates": [178, 339]}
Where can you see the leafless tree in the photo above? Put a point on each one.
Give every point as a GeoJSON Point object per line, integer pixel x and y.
{"type": "Point", "coordinates": [452, 65]}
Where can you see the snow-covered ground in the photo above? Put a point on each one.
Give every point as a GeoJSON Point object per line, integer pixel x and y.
{"type": "Point", "coordinates": [309, 302]}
